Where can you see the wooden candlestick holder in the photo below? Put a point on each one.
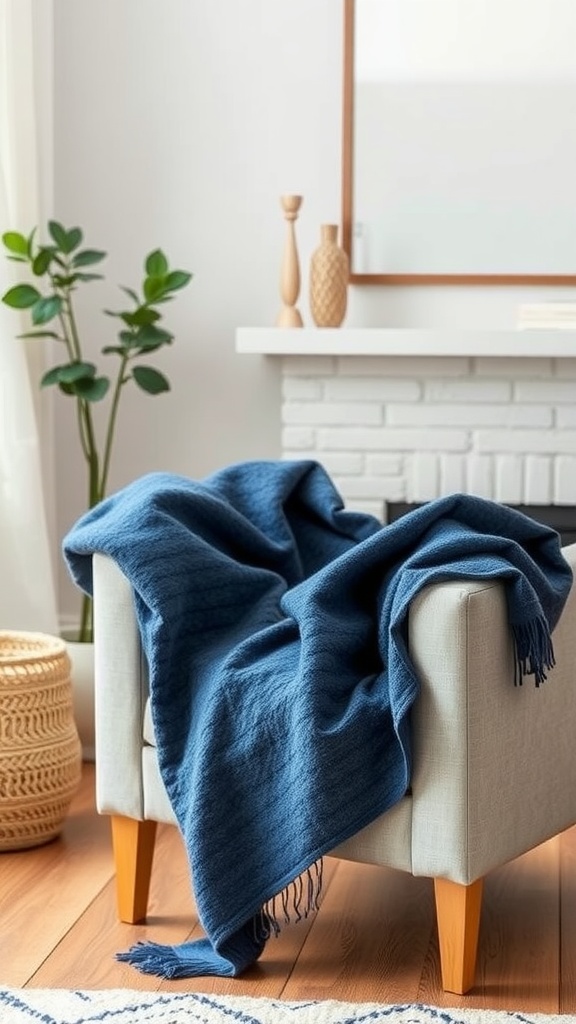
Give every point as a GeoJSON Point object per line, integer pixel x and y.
{"type": "Point", "coordinates": [289, 315]}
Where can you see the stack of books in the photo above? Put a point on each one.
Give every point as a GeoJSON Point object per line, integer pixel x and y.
{"type": "Point", "coordinates": [544, 316]}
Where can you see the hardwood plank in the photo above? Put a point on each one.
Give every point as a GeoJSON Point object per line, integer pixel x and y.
{"type": "Point", "coordinates": [269, 975]}
{"type": "Point", "coordinates": [43, 891]}
{"type": "Point", "coordinates": [374, 937]}
{"type": "Point", "coordinates": [369, 940]}
{"type": "Point", "coordinates": [518, 956]}
{"type": "Point", "coordinates": [172, 919]}
{"type": "Point", "coordinates": [567, 996]}
{"type": "Point", "coordinates": [98, 929]}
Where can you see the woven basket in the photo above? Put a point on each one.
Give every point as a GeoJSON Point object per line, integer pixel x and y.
{"type": "Point", "coordinates": [40, 758]}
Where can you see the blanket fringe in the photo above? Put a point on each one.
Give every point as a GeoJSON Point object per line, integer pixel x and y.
{"type": "Point", "coordinates": [299, 899]}
{"type": "Point", "coordinates": [296, 901]}
{"type": "Point", "coordinates": [534, 651]}
{"type": "Point", "coordinates": [163, 961]}
{"type": "Point", "coordinates": [195, 958]}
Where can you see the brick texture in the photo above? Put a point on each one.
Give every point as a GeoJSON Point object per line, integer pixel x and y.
{"type": "Point", "coordinates": [390, 429]}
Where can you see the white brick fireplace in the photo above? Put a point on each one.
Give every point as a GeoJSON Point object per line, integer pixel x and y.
{"type": "Point", "coordinates": [400, 415]}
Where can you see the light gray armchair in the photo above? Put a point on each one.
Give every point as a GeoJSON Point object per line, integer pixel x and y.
{"type": "Point", "coordinates": [494, 765]}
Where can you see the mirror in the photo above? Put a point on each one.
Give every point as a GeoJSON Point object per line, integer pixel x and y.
{"type": "Point", "coordinates": [459, 141]}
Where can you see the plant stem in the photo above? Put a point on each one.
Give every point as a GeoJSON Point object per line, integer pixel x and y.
{"type": "Point", "coordinates": [112, 424]}
{"type": "Point", "coordinates": [85, 421]}
{"type": "Point", "coordinates": [74, 339]}
{"type": "Point", "coordinates": [85, 633]}
{"type": "Point", "coordinates": [70, 337]}
{"type": "Point", "coordinates": [94, 493]}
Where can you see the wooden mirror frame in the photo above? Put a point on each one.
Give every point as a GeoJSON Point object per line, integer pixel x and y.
{"type": "Point", "coordinates": [347, 199]}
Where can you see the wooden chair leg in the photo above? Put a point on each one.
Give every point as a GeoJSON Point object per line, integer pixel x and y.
{"type": "Point", "coordinates": [458, 914]}
{"type": "Point", "coordinates": [133, 843]}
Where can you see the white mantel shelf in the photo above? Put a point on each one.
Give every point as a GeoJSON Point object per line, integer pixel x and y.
{"type": "Point", "coordinates": [390, 341]}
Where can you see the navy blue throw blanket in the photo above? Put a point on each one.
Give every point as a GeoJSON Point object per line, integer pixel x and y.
{"type": "Point", "coordinates": [274, 624]}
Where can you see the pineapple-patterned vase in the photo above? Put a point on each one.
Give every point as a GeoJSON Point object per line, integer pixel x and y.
{"type": "Point", "coordinates": [328, 280]}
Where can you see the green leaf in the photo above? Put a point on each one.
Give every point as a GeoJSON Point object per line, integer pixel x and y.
{"type": "Point", "coordinates": [30, 243]}
{"type": "Point", "coordinates": [66, 241]}
{"type": "Point", "coordinates": [108, 349]}
{"type": "Point", "coordinates": [93, 390]}
{"type": "Point", "coordinates": [15, 242]}
{"type": "Point", "coordinates": [73, 239]}
{"type": "Point", "coordinates": [128, 318]}
{"type": "Point", "coordinates": [42, 261]}
{"type": "Point", "coordinates": [73, 372]}
{"type": "Point", "coordinates": [150, 380]}
{"type": "Point", "coordinates": [41, 334]}
{"type": "Point", "coordinates": [21, 296]}
{"type": "Point", "coordinates": [132, 294]}
{"type": "Point", "coordinates": [58, 233]}
{"type": "Point", "coordinates": [125, 316]}
{"type": "Point", "coordinates": [156, 264]}
{"type": "Point", "coordinates": [154, 288]}
{"type": "Point", "coordinates": [127, 338]}
{"type": "Point", "coordinates": [143, 316]}
{"type": "Point", "coordinates": [147, 347]}
{"type": "Point", "coordinates": [64, 281]}
{"type": "Point", "coordinates": [69, 373]}
{"type": "Point", "coordinates": [51, 377]}
{"type": "Point", "coordinates": [177, 279]}
{"type": "Point", "coordinates": [67, 280]}
{"type": "Point", "coordinates": [46, 309]}
{"type": "Point", "coordinates": [87, 257]}
{"type": "Point", "coordinates": [150, 337]}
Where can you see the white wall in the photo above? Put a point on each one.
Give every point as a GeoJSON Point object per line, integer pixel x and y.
{"type": "Point", "coordinates": [179, 123]}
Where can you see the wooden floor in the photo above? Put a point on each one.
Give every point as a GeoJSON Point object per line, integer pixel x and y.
{"type": "Point", "coordinates": [373, 939]}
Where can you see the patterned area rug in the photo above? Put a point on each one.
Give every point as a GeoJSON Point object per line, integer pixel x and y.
{"type": "Point", "coordinates": [123, 1006]}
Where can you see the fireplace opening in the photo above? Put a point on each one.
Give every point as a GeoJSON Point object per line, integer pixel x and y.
{"type": "Point", "coordinates": [561, 518]}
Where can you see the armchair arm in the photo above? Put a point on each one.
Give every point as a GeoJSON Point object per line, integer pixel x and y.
{"type": "Point", "coordinates": [121, 690]}
{"type": "Point", "coordinates": [494, 765]}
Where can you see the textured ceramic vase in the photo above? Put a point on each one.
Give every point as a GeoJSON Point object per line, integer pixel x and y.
{"type": "Point", "coordinates": [328, 279]}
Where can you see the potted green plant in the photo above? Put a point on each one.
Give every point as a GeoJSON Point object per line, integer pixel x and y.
{"type": "Point", "coordinates": [58, 268]}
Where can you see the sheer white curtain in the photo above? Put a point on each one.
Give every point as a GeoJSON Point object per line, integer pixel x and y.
{"type": "Point", "coordinates": [27, 595]}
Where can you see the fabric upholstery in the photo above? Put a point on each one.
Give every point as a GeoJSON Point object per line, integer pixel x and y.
{"type": "Point", "coordinates": [494, 772]}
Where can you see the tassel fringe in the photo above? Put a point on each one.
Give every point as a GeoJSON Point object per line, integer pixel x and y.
{"type": "Point", "coordinates": [299, 899]}
{"type": "Point", "coordinates": [534, 651]}
{"type": "Point", "coordinates": [163, 961]}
